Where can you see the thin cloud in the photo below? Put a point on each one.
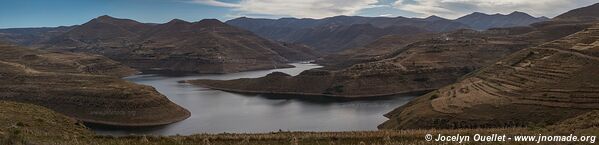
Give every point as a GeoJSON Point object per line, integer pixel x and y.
{"type": "Point", "coordinates": [216, 3]}
{"type": "Point", "coordinates": [296, 8]}
{"type": "Point", "coordinates": [457, 8]}
{"type": "Point", "coordinates": [385, 15]}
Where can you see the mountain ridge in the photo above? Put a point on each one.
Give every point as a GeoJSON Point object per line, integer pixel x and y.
{"type": "Point", "coordinates": [311, 31]}
{"type": "Point", "coordinates": [484, 21]}
{"type": "Point", "coordinates": [206, 46]}
{"type": "Point", "coordinates": [588, 13]}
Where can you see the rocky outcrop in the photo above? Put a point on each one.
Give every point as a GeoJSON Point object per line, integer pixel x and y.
{"type": "Point", "coordinates": [84, 87]}
{"type": "Point", "coordinates": [207, 46]}
{"type": "Point", "coordinates": [538, 85]}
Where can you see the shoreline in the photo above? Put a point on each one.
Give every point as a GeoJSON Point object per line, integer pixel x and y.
{"type": "Point", "coordinates": [135, 125]}
{"type": "Point", "coordinates": [186, 73]}
{"type": "Point", "coordinates": [413, 92]}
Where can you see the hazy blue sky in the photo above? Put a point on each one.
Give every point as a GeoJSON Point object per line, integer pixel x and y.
{"type": "Point", "coordinates": [38, 13]}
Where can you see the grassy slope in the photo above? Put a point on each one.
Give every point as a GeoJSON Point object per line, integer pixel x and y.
{"type": "Point", "coordinates": [30, 124]}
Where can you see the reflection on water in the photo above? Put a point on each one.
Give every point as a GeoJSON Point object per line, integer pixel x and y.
{"type": "Point", "coordinates": [216, 111]}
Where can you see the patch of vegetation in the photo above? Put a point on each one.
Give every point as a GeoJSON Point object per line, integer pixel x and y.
{"type": "Point", "coordinates": [434, 96]}
{"type": "Point", "coordinates": [334, 89]}
{"type": "Point", "coordinates": [14, 137]}
{"type": "Point", "coordinates": [466, 70]}
{"type": "Point", "coordinates": [421, 79]}
{"type": "Point", "coordinates": [537, 126]}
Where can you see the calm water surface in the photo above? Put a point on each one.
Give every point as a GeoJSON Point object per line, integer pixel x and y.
{"type": "Point", "coordinates": [214, 111]}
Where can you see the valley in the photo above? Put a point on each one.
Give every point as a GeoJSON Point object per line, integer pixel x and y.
{"type": "Point", "coordinates": [256, 113]}
{"type": "Point", "coordinates": [393, 65]}
{"type": "Point", "coordinates": [338, 73]}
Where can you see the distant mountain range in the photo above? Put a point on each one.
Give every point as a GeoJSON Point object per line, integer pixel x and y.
{"type": "Point", "coordinates": [335, 34]}
{"type": "Point", "coordinates": [210, 46]}
{"type": "Point", "coordinates": [483, 21]}
{"type": "Point", "coordinates": [397, 64]}
{"type": "Point", "coordinates": [206, 46]}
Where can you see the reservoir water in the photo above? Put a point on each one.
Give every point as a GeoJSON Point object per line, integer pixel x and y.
{"type": "Point", "coordinates": [214, 111]}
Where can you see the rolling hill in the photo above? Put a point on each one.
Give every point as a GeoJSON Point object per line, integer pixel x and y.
{"type": "Point", "coordinates": [81, 86]}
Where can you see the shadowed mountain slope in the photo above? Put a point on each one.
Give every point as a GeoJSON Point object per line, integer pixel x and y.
{"type": "Point", "coordinates": [589, 13]}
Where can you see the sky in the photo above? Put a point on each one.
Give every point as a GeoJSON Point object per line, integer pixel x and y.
{"type": "Point", "coordinates": [51, 13]}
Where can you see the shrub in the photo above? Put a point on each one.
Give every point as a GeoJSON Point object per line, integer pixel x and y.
{"type": "Point", "coordinates": [434, 96]}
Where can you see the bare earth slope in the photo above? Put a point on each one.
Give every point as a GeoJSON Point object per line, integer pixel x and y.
{"type": "Point", "coordinates": [543, 84]}
{"type": "Point", "coordinates": [382, 48]}
{"type": "Point", "coordinates": [64, 62]}
{"type": "Point", "coordinates": [78, 86]}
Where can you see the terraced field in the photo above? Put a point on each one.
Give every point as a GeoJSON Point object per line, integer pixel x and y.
{"type": "Point", "coordinates": [543, 84]}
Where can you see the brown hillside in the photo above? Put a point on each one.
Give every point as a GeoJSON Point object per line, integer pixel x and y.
{"type": "Point", "coordinates": [77, 85]}
{"type": "Point", "coordinates": [207, 46]}
{"type": "Point", "coordinates": [543, 84]}
{"type": "Point", "coordinates": [589, 13]}
{"type": "Point", "coordinates": [399, 65]}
